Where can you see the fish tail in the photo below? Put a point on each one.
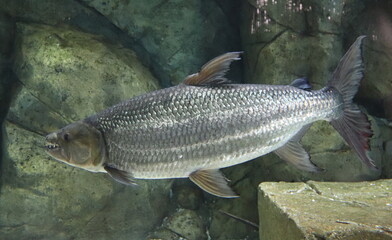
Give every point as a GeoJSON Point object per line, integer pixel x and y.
{"type": "Point", "coordinates": [353, 125]}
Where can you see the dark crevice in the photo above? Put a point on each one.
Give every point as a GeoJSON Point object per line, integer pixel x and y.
{"type": "Point", "coordinates": [314, 188]}
{"type": "Point", "coordinates": [245, 221]}
{"type": "Point", "coordinates": [282, 25]}
{"type": "Point", "coordinates": [231, 11]}
{"type": "Point", "coordinates": [245, 176]}
{"type": "Point", "coordinates": [266, 43]}
{"type": "Point", "coordinates": [7, 79]}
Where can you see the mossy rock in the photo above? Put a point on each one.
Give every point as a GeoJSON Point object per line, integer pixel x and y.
{"type": "Point", "coordinates": [322, 210]}
{"type": "Point", "coordinates": [66, 75]}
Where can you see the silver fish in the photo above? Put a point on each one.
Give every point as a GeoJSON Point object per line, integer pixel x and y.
{"type": "Point", "coordinates": [206, 123]}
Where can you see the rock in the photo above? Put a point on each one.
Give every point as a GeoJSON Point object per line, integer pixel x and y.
{"type": "Point", "coordinates": [288, 57]}
{"type": "Point", "coordinates": [224, 227]}
{"type": "Point", "coordinates": [73, 74]}
{"type": "Point", "coordinates": [60, 12]}
{"type": "Point", "coordinates": [181, 35]}
{"type": "Point", "coordinates": [74, 13]}
{"type": "Point", "coordinates": [323, 17]}
{"type": "Point", "coordinates": [50, 12]}
{"type": "Point", "coordinates": [267, 14]}
{"type": "Point", "coordinates": [286, 36]}
{"type": "Point", "coordinates": [322, 210]}
{"type": "Point", "coordinates": [373, 20]}
{"type": "Point", "coordinates": [188, 196]}
{"type": "Point", "coordinates": [164, 234]}
{"type": "Point", "coordinates": [278, 51]}
{"type": "Point", "coordinates": [187, 224]}
{"type": "Point", "coordinates": [66, 75]}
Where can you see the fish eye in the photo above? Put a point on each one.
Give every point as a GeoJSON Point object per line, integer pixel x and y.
{"type": "Point", "coordinates": [66, 137]}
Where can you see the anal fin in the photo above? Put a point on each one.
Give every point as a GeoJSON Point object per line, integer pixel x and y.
{"type": "Point", "coordinates": [212, 181]}
{"type": "Point", "coordinates": [120, 175]}
{"type": "Point", "coordinates": [293, 153]}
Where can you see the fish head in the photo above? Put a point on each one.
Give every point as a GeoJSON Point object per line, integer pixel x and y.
{"type": "Point", "coordinates": [78, 144]}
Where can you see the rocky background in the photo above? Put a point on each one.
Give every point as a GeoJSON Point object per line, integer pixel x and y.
{"type": "Point", "coordinates": [63, 60]}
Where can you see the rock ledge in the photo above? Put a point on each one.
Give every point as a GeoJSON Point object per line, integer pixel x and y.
{"type": "Point", "coordinates": [326, 210]}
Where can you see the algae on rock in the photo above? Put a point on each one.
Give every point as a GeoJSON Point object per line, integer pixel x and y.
{"type": "Point", "coordinates": [323, 210]}
{"type": "Point", "coordinates": [182, 35]}
{"type": "Point", "coordinates": [66, 75]}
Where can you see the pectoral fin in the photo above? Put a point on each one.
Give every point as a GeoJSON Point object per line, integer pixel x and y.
{"type": "Point", "coordinates": [213, 181]}
{"type": "Point", "coordinates": [120, 175]}
{"type": "Point", "coordinates": [295, 154]}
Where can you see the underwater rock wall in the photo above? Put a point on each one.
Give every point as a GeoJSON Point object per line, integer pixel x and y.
{"type": "Point", "coordinates": [65, 75]}
{"type": "Point", "coordinates": [180, 35]}
{"type": "Point", "coordinates": [74, 58]}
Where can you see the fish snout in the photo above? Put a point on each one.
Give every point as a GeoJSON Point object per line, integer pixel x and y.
{"type": "Point", "coordinates": [51, 137]}
{"type": "Point", "coordinates": [51, 141]}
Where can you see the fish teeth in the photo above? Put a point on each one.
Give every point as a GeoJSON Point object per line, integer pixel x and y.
{"type": "Point", "coordinates": [52, 146]}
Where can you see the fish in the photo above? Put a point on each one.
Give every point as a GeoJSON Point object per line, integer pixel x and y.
{"type": "Point", "coordinates": [206, 123]}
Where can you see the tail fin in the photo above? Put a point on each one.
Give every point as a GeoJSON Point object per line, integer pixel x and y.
{"type": "Point", "coordinates": [353, 125]}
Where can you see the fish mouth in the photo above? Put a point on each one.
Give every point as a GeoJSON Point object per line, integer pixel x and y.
{"type": "Point", "coordinates": [51, 146]}
{"type": "Point", "coordinates": [52, 142]}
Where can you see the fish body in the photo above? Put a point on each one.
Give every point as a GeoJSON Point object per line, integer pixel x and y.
{"type": "Point", "coordinates": [206, 123]}
{"type": "Point", "coordinates": [175, 131]}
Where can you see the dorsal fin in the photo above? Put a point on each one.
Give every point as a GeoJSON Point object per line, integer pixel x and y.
{"type": "Point", "coordinates": [213, 72]}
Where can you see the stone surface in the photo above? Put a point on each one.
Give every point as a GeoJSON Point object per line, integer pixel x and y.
{"type": "Point", "coordinates": [285, 38]}
{"type": "Point", "coordinates": [66, 75]}
{"type": "Point", "coordinates": [374, 20]}
{"type": "Point", "coordinates": [224, 227]}
{"type": "Point", "coordinates": [73, 13]}
{"type": "Point", "coordinates": [60, 12]}
{"type": "Point", "coordinates": [317, 210]}
{"type": "Point", "coordinates": [187, 195]}
{"type": "Point", "coordinates": [187, 224]}
{"type": "Point", "coordinates": [73, 74]}
{"type": "Point", "coordinates": [181, 35]}
{"type": "Point", "coordinates": [164, 234]}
